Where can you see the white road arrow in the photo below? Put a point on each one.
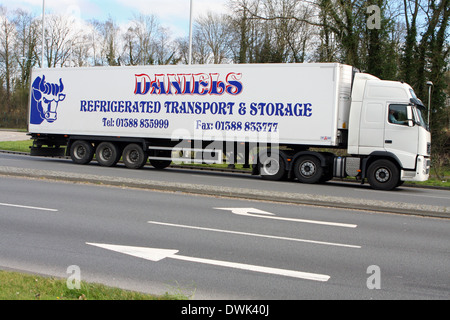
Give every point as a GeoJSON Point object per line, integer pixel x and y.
{"type": "Point", "coordinates": [154, 254]}
{"type": "Point", "coordinates": [252, 212]}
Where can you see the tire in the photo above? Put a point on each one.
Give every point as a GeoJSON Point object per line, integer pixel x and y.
{"type": "Point", "coordinates": [133, 156]}
{"type": "Point", "coordinates": [327, 176]}
{"type": "Point", "coordinates": [107, 154]}
{"type": "Point", "coordinates": [81, 152]}
{"type": "Point", "coordinates": [383, 175]}
{"type": "Point", "coordinates": [272, 167]}
{"type": "Point", "coordinates": [160, 164]}
{"type": "Point", "coordinates": [307, 169]}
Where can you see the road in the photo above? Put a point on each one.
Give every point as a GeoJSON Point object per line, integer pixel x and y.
{"type": "Point", "coordinates": [404, 200]}
{"type": "Point", "coordinates": [219, 248]}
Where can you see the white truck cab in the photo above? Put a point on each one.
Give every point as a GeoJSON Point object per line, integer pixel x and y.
{"type": "Point", "coordinates": [387, 124]}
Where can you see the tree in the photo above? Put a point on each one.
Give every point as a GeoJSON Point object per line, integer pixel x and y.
{"type": "Point", "coordinates": [7, 54]}
{"type": "Point", "coordinates": [273, 31]}
{"type": "Point", "coordinates": [108, 38]}
{"type": "Point", "coordinates": [27, 42]}
{"type": "Point", "coordinates": [58, 40]}
{"type": "Point", "coordinates": [141, 37]}
{"type": "Point", "coordinates": [213, 29]}
{"type": "Point", "coordinates": [247, 32]}
{"type": "Point", "coordinates": [164, 48]}
{"type": "Point", "coordinates": [408, 67]}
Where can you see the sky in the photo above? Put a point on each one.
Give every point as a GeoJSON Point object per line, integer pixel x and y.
{"type": "Point", "coordinates": [172, 14]}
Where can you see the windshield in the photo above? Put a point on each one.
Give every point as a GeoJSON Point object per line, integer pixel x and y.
{"type": "Point", "coordinates": [421, 115]}
{"type": "Point", "coordinates": [421, 111]}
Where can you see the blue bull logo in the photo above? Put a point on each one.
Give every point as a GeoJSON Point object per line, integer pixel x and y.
{"type": "Point", "coordinates": [45, 98]}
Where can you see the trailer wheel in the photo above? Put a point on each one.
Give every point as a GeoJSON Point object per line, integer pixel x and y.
{"type": "Point", "coordinates": [133, 156]}
{"type": "Point", "coordinates": [383, 175]}
{"type": "Point", "coordinates": [107, 154]}
{"type": "Point", "coordinates": [160, 164]}
{"type": "Point", "coordinates": [307, 169]}
{"type": "Point", "coordinates": [81, 152]}
{"type": "Point", "coordinates": [272, 167]}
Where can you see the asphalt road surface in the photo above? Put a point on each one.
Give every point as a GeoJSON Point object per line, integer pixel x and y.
{"type": "Point", "coordinates": [354, 195]}
{"type": "Point", "coordinates": [217, 248]}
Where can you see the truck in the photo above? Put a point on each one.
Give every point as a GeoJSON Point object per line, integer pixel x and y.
{"type": "Point", "coordinates": [309, 122]}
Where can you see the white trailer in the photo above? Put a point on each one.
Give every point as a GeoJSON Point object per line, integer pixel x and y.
{"type": "Point", "coordinates": [284, 119]}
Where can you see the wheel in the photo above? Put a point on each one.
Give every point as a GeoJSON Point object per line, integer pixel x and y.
{"type": "Point", "coordinates": [307, 169]}
{"type": "Point", "coordinates": [272, 167]}
{"type": "Point", "coordinates": [107, 154]}
{"type": "Point", "coordinates": [81, 152]}
{"type": "Point", "coordinates": [160, 164]}
{"type": "Point", "coordinates": [133, 156]}
{"type": "Point", "coordinates": [327, 176]}
{"type": "Point", "coordinates": [383, 175]}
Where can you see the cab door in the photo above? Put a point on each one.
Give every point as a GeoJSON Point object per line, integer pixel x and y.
{"type": "Point", "coordinates": [401, 135]}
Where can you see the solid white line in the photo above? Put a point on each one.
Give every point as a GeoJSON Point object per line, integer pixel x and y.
{"type": "Point", "coordinates": [255, 235]}
{"type": "Point", "coordinates": [27, 207]}
{"type": "Point", "coordinates": [326, 223]}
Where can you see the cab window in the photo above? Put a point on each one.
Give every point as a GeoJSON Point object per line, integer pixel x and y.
{"type": "Point", "coordinates": [398, 114]}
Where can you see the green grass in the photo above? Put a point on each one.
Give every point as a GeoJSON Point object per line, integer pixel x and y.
{"type": "Point", "coordinates": [19, 286]}
{"type": "Point", "coordinates": [434, 181]}
{"type": "Point", "coordinates": [19, 146]}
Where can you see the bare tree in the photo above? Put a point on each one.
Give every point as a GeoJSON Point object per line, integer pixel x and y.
{"type": "Point", "coordinates": [131, 48]}
{"type": "Point", "coordinates": [200, 51]}
{"type": "Point", "coordinates": [214, 30]}
{"type": "Point", "coordinates": [81, 46]}
{"type": "Point", "coordinates": [108, 38]}
{"type": "Point", "coordinates": [27, 43]}
{"type": "Point", "coordinates": [164, 47]}
{"type": "Point", "coordinates": [145, 30]}
{"type": "Point", "coordinates": [292, 36]}
{"type": "Point", "coordinates": [59, 40]}
{"type": "Point", "coordinates": [273, 31]}
{"type": "Point", "coordinates": [7, 51]}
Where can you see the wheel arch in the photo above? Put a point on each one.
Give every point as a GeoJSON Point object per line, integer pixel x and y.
{"type": "Point", "coordinates": [325, 158]}
{"type": "Point", "coordinates": [379, 155]}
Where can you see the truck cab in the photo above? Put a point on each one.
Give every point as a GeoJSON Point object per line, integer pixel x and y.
{"type": "Point", "coordinates": [387, 128]}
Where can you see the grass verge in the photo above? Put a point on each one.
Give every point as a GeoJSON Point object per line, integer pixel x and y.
{"type": "Point", "coordinates": [18, 146]}
{"type": "Point", "coordinates": [19, 286]}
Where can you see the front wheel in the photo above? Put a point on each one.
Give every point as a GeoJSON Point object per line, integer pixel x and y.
{"type": "Point", "coordinates": [383, 175]}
